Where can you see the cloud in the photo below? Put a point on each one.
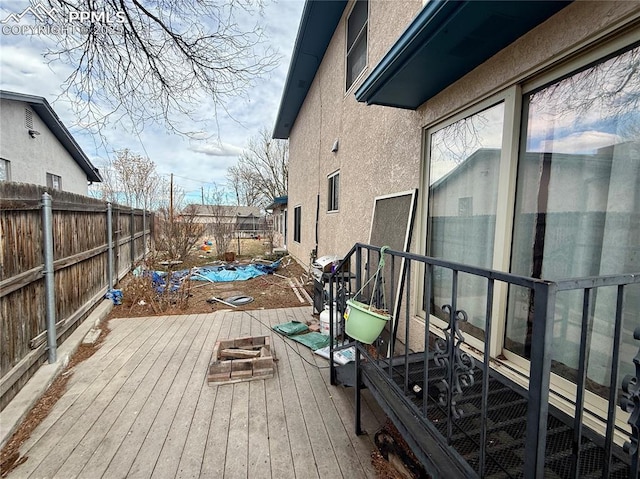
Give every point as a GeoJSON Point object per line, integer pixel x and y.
{"type": "Point", "coordinates": [193, 163]}
{"type": "Point", "coordinates": [216, 149]}
{"type": "Point", "coordinates": [581, 142]}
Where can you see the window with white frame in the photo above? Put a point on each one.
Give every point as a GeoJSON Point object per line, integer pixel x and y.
{"type": "Point", "coordinates": [557, 199]}
{"type": "Point", "coordinates": [297, 219]}
{"type": "Point", "coordinates": [357, 40]}
{"type": "Point", "coordinates": [333, 191]}
{"type": "Point", "coordinates": [5, 171]}
{"type": "Point", "coordinates": [54, 181]}
{"type": "Point", "coordinates": [464, 170]}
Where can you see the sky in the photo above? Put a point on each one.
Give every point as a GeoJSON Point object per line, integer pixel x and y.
{"type": "Point", "coordinates": [195, 164]}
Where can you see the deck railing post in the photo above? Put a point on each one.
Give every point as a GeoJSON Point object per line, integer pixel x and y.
{"type": "Point", "coordinates": [358, 398]}
{"type": "Point", "coordinates": [631, 403]}
{"type": "Point", "coordinates": [49, 283]}
{"type": "Point", "coordinates": [332, 369]}
{"type": "Point", "coordinates": [358, 268]}
{"type": "Point", "coordinates": [539, 379]}
{"type": "Point", "coordinates": [109, 246]}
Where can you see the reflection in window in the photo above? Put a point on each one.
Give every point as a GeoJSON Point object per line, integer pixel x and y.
{"type": "Point", "coordinates": [357, 41]}
{"type": "Point", "coordinates": [463, 185]}
{"type": "Point", "coordinates": [5, 174]}
{"type": "Point", "coordinates": [54, 181]}
{"type": "Point", "coordinates": [578, 208]}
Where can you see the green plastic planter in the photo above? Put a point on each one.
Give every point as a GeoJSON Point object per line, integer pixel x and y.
{"type": "Point", "coordinates": [362, 323]}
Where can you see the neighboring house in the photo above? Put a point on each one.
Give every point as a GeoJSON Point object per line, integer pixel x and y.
{"type": "Point", "coordinates": [35, 147]}
{"type": "Point", "coordinates": [247, 221]}
{"type": "Point", "coordinates": [517, 123]}
{"type": "Point", "coordinates": [278, 211]}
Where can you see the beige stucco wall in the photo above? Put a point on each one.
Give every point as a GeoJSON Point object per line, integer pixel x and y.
{"type": "Point", "coordinates": [378, 147]}
{"type": "Point", "coordinates": [32, 158]}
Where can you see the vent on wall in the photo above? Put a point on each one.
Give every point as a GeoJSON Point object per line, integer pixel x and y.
{"type": "Point", "coordinates": [28, 119]}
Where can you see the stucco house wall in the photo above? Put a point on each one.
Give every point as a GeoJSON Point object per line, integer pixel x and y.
{"type": "Point", "coordinates": [380, 148]}
{"type": "Point", "coordinates": [32, 158]}
{"type": "Point", "coordinates": [376, 155]}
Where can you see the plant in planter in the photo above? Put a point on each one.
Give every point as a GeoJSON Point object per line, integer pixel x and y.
{"type": "Point", "coordinates": [365, 322]}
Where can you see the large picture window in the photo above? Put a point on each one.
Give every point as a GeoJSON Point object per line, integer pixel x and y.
{"type": "Point", "coordinates": [463, 186]}
{"type": "Point", "coordinates": [578, 206]}
{"type": "Point", "coordinates": [357, 40]}
{"type": "Point", "coordinates": [544, 183]}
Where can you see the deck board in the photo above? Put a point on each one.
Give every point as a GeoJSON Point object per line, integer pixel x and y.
{"type": "Point", "coordinates": [190, 465]}
{"type": "Point", "coordinates": [77, 421]}
{"type": "Point", "coordinates": [119, 347]}
{"type": "Point", "coordinates": [173, 447]}
{"type": "Point", "coordinates": [141, 407]}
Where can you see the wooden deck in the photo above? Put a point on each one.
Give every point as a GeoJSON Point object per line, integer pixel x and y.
{"type": "Point", "coordinates": [141, 407]}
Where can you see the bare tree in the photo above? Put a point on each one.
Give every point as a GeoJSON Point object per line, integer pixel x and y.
{"type": "Point", "coordinates": [177, 234]}
{"type": "Point", "coordinates": [245, 185]}
{"type": "Point", "coordinates": [158, 60]}
{"type": "Point", "coordinates": [133, 180]}
{"type": "Point", "coordinates": [222, 224]}
{"type": "Point", "coordinates": [261, 172]}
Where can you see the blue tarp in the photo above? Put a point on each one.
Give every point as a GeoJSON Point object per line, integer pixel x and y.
{"type": "Point", "coordinates": [217, 274]}
{"type": "Point", "coordinates": [158, 278]}
{"type": "Point", "coordinates": [221, 274]}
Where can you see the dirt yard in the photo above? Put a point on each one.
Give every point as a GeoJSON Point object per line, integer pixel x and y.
{"type": "Point", "coordinates": [269, 291]}
{"type": "Point", "coordinates": [281, 289]}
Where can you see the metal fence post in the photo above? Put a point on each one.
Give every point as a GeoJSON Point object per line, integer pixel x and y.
{"type": "Point", "coordinates": [110, 246]}
{"type": "Point", "coordinates": [144, 233]}
{"type": "Point", "coordinates": [132, 239]}
{"type": "Point", "coordinates": [49, 283]}
{"type": "Point", "coordinates": [544, 297]}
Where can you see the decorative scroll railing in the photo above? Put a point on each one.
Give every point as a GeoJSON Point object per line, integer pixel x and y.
{"type": "Point", "coordinates": [457, 398]}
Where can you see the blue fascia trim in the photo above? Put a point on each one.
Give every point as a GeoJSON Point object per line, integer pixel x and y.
{"type": "Point", "coordinates": [317, 25]}
{"type": "Point", "coordinates": [430, 19]}
{"type": "Point", "coordinates": [422, 63]}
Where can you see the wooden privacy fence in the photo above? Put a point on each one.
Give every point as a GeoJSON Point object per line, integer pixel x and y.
{"type": "Point", "coordinates": [37, 289]}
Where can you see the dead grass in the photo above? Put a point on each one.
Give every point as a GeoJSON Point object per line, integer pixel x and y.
{"type": "Point", "coordinates": [245, 248]}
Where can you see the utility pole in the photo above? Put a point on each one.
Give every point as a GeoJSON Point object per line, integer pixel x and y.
{"type": "Point", "coordinates": [171, 200]}
{"type": "Point", "coordinates": [202, 192]}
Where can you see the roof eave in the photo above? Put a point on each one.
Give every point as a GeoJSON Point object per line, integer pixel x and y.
{"type": "Point", "coordinates": [44, 110]}
{"type": "Point", "coordinates": [444, 42]}
{"type": "Point", "coordinates": [317, 25]}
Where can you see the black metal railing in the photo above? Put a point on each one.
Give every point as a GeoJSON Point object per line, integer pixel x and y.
{"type": "Point", "coordinates": [488, 423]}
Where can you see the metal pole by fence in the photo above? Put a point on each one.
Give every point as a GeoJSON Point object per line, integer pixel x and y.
{"type": "Point", "coordinates": [49, 283]}
{"type": "Point", "coordinates": [144, 233]}
{"type": "Point", "coordinates": [132, 240]}
{"type": "Point", "coordinates": [110, 246]}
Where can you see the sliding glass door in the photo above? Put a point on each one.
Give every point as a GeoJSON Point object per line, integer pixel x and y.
{"type": "Point", "coordinates": [577, 207]}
